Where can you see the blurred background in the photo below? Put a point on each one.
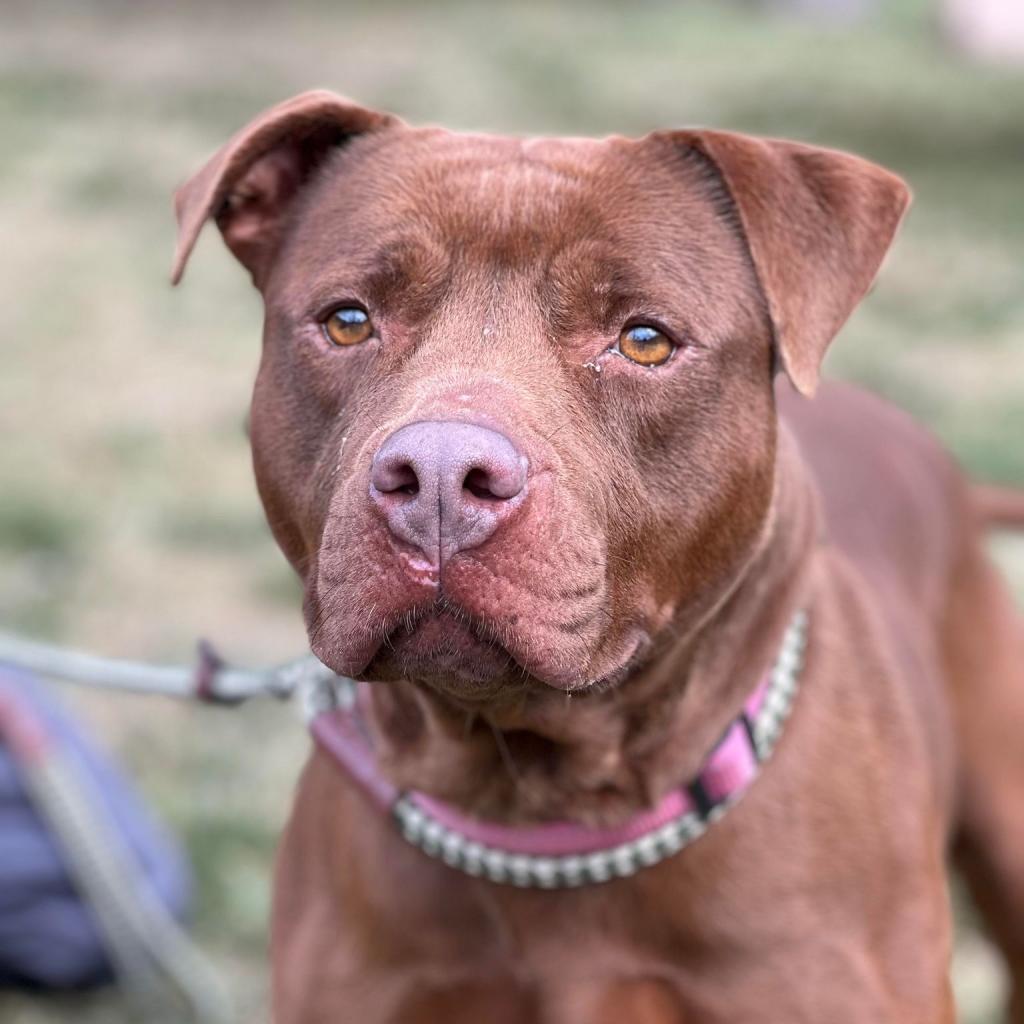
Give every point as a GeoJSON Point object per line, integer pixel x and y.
{"type": "Point", "coordinates": [129, 523]}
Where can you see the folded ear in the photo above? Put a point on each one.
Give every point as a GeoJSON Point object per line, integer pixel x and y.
{"type": "Point", "coordinates": [248, 184]}
{"type": "Point", "coordinates": [817, 223]}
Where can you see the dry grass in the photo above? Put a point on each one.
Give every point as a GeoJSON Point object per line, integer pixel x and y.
{"type": "Point", "coordinates": [129, 523]}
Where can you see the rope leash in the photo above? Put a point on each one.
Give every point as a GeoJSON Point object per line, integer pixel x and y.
{"type": "Point", "coordinates": [210, 679]}
{"type": "Point", "coordinates": [152, 955]}
{"type": "Point", "coordinates": [164, 974]}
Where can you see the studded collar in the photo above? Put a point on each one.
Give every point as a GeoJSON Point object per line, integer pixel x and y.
{"type": "Point", "coordinates": [561, 855]}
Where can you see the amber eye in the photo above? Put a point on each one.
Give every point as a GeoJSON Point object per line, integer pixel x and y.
{"type": "Point", "coordinates": [645, 345]}
{"type": "Point", "coordinates": [349, 325]}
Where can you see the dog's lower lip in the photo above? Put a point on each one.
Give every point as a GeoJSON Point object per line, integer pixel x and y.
{"type": "Point", "coordinates": [444, 650]}
{"type": "Point", "coordinates": [436, 641]}
{"type": "Point", "coordinates": [482, 648]}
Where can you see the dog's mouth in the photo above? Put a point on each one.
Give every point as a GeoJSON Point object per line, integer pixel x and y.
{"type": "Point", "coordinates": [451, 652]}
{"type": "Point", "coordinates": [442, 647]}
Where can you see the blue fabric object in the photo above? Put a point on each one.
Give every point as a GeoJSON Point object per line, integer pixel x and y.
{"type": "Point", "coordinates": [48, 936]}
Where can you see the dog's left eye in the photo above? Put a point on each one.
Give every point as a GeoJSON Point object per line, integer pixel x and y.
{"type": "Point", "coordinates": [348, 325]}
{"type": "Point", "coordinates": [645, 345]}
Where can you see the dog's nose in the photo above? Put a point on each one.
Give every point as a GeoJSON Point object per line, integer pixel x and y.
{"type": "Point", "coordinates": [446, 486]}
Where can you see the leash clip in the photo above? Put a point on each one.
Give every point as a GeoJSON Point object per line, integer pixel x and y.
{"type": "Point", "coordinates": [208, 666]}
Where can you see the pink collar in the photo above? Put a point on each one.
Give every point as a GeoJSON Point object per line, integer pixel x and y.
{"type": "Point", "coordinates": [566, 854]}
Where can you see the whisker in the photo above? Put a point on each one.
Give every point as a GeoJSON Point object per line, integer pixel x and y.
{"type": "Point", "coordinates": [505, 753]}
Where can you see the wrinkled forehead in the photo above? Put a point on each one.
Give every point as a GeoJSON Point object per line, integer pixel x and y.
{"type": "Point", "coordinates": [412, 207]}
{"type": "Point", "coordinates": [456, 186]}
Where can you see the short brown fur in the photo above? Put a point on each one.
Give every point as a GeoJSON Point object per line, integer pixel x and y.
{"type": "Point", "coordinates": [583, 660]}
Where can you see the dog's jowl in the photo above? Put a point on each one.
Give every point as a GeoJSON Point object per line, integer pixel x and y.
{"type": "Point", "coordinates": [679, 674]}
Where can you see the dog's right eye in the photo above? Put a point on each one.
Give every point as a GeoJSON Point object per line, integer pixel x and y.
{"type": "Point", "coordinates": [347, 326]}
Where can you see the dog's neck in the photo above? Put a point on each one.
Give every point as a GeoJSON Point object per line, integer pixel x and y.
{"type": "Point", "coordinates": [600, 757]}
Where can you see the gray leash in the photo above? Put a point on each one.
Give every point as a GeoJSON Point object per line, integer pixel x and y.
{"type": "Point", "coordinates": [153, 956]}
{"type": "Point", "coordinates": [210, 679]}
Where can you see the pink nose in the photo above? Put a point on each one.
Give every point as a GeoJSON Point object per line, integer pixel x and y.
{"type": "Point", "coordinates": [444, 487]}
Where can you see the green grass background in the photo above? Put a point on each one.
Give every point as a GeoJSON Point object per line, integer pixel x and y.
{"type": "Point", "coordinates": [128, 519]}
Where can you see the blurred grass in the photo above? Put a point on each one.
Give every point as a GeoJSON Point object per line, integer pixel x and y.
{"type": "Point", "coordinates": [129, 523]}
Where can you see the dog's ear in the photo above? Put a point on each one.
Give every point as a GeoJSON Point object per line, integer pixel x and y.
{"type": "Point", "coordinates": [817, 223]}
{"type": "Point", "coordinates": [247, 185]}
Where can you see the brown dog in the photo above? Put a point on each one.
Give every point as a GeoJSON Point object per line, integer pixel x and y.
{"type": "Point", "coordinates": [516, 428]}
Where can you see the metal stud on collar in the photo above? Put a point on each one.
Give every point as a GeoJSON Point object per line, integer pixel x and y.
{"type": "Point", "coordinates": [567, 872]}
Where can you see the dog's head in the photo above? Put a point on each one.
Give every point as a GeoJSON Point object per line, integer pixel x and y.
{"type": "Point", "coordinates": [514, 420]}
